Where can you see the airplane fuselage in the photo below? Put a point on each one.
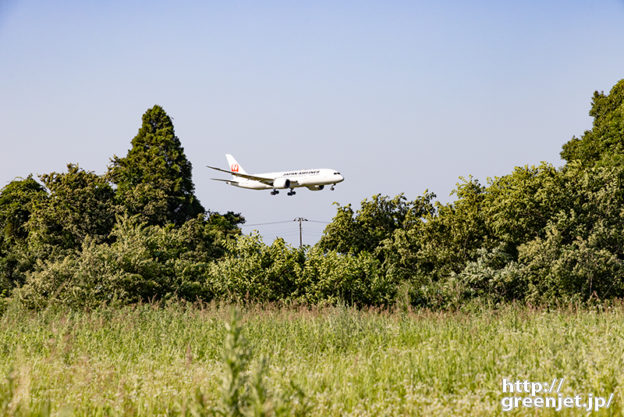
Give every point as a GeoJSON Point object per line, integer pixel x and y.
{"type": "Point", "coordinates": [313, 179]}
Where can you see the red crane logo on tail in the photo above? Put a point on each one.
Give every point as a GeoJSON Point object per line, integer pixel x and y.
{"type": "Point", "coordinates": [234, 167]}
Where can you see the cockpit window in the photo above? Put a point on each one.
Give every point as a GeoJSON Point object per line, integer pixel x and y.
{"type": "Point", "coordinates": [336, 173]}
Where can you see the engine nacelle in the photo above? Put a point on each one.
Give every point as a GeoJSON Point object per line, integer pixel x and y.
{"type": "Point", "coordinates": [316, 187]}
{"type": "Point", "coordinates": [281, 183]}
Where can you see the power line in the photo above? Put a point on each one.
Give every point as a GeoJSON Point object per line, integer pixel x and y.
{"type": "Point", "coordinates": [263, 224]}
{"type": "Point", "coordinates": [289, 232]}
{"type": "Point", "coordinates": [283, 221]}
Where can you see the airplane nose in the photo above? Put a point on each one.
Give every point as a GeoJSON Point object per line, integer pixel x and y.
{"type": "Point", "coordinates": [341, 178]}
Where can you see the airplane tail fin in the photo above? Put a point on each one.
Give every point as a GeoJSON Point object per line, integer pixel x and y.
{"type": "Point", "coordinates": [234, 166]}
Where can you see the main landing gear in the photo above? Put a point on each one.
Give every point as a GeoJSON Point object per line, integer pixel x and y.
{"type": "Point", "coordinates": [291, 192]}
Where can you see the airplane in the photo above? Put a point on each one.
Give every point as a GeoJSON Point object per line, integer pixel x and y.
{"type": "Point", "coordinates": [313, 179]}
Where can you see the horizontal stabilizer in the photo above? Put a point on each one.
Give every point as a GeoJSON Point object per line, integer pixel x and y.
{"type": "Point", "coordinates": [225, 181]}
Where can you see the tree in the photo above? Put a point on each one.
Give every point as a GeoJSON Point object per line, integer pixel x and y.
{"type": "Point", "coordinates": [448, 237]}
{"type": "Point", "coordinates": [375, 221]}
{"type": "Point", "coordinates": [604, 143]}
{"type": "Point", "coordinates": [17, 201]}
{"type": "Point", "coordinates": [80, 204]}
{"type": "Point", "coordinates": [138, 263]}
{"type": "Point", "coordinates": [225, 225]}
{"type": "Point", "coordinates": [581, 252]}
{"type": "Point", "coordinates": [16, 204]}
{"type": "Point", "coordinates": [154, 179]}
{"type": "Point", "coordinates": [519, 205]}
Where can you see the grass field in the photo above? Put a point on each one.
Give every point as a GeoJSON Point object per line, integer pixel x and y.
{"type": "Point", "coordinates": [155, 360]}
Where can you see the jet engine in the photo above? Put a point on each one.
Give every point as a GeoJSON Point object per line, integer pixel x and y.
{"type": "Point", "coordinates": [316, 187]}
{"type": "Point", "coordinates": [281, 183]}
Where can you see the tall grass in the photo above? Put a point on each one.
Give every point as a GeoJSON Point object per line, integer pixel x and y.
{"type": "Point", "coordinates": [183, 359]}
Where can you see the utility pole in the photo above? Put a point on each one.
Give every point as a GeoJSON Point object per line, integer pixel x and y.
{"type": "Point", "coordinates": [300, 219]}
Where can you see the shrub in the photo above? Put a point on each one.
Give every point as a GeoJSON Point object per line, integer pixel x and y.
{"type": "Point", "coordinates": [255, 271]}
{"type": "Point", "coordinates": [354, 279]}
{"type": "Point", "coordinates": [143, 263]}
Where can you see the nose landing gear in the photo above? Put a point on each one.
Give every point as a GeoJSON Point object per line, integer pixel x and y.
{"type": "Point", "coordinates": [333, 187]}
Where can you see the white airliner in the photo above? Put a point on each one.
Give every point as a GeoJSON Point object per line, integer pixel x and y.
{"type": "Point", "coordinates": [313, 179]}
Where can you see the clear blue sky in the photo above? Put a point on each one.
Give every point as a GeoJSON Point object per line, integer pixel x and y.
{"type": "Point", "coordinates": [400, 96]}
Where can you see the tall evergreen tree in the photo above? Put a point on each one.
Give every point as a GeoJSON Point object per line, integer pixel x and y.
{"type": "Point", "coordinates": [154, 179]}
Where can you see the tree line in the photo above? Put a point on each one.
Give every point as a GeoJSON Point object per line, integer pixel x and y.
{"type": "Point", "coordinates": [541, 234]}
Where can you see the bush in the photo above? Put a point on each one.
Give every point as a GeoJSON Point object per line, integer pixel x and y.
{"type": "Point", "coordinates": [354, 279]}
{"type": "Point", "coordinates": [143, 263]}
{"type": "Point", "coordinates": [578, 270]}
{"type": "Point", "coordinates": [252, 270]}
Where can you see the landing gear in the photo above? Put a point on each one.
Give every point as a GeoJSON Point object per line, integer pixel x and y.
{"type": "Point", "coordinates": [274, 192]}
{"type": "Point", "coordinates": [292, 192]}
{"type": "Point", "coordinates": [333, 187]}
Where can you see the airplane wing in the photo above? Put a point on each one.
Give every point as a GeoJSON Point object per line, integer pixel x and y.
{"type": "Point", "coordinates": [267, 181]}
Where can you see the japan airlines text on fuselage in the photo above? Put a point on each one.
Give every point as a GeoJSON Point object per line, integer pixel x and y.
{"type": "Point", "coordinates": [313, 179]}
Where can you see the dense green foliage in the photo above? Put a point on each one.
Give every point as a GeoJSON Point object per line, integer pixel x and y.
{"type": "Point", "coordinates": [182, 360]}
{"type": "Point", "coordinates": [16, 205]}
{"type": "Point", "coordinates": [604, 143]}
{"type": "Point", "coordinates": [142, 262]}
{"type": "Point", "coordinates": [540, 234]}
{"type": "Point", "coordinates": [374, 222]}
{"type": "Point", "coordinates": [154, 179]}
{"type": "Point", "coordinates": [79, 204]}
{"type": "Point", "coordinates": [78, 239]}
{"type": "Point", "coordinates": [17, 201]}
